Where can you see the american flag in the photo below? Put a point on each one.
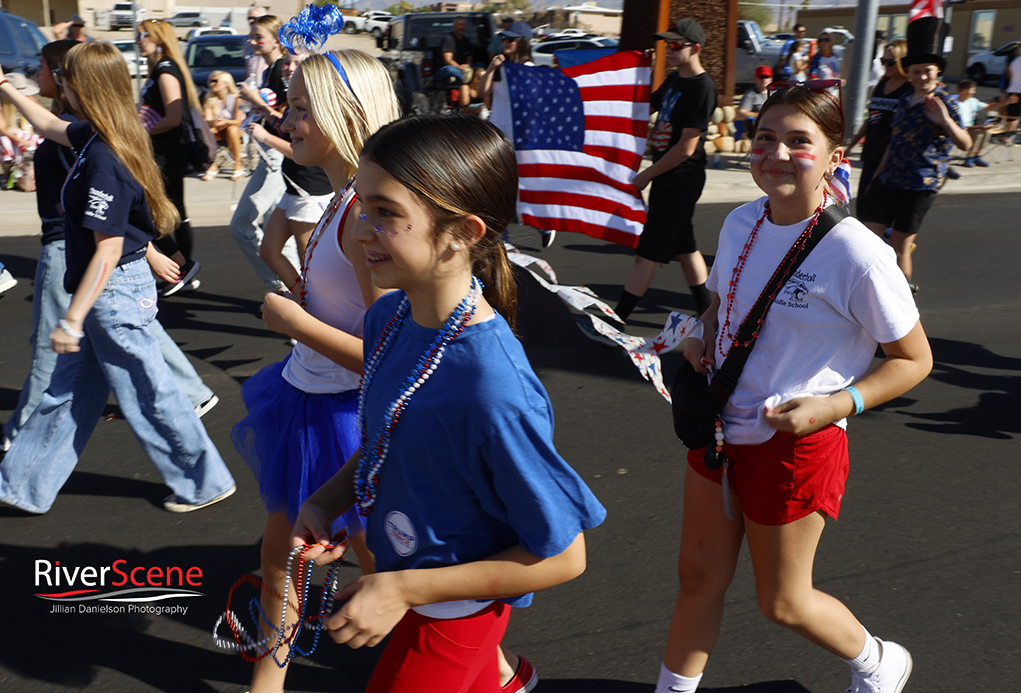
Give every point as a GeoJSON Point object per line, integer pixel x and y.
{"type": "Point", "coordinates": [580, 135]}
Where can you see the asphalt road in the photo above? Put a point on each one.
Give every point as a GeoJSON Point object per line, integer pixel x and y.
{"type": "Point", "coordinates": [925, 551]}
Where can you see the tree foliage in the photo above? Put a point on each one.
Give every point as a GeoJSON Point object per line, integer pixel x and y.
{"type": "Point", "coordinates": [402, 7]}
{"type": "Point", "coordinates": [509, 7]}
{"type": "Point", "coordinates": [756, 11]}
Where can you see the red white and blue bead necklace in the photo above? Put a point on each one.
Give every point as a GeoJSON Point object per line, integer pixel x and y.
{"type": "Point", "coordinates": [716, 449]}
{"type": "Point", "coordinates": [253, 649]}
{"type": "Point", "coordinates": [371, 459]}
{"type": "Point", "coordinates": [317, 234]}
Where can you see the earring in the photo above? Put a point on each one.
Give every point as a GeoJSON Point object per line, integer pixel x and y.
{"type": "Point", "coordinates": [828, 176]}
{"type": "Point", "coordinates": [455, 247]}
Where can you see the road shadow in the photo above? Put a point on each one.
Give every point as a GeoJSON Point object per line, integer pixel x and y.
{"type": "Point", "coordinates": [172, 653]}
{"type": "Point", "coordinates": [993, 416]}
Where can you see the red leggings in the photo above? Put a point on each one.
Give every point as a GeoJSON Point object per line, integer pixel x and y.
{"type": "Point", "coordinates": [431, 655]}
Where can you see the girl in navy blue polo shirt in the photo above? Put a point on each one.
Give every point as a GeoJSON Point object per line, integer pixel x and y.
{"type": "Point", "coordinates": [114, 204]}
{"type": "Point", "coordinates": [468, 506]}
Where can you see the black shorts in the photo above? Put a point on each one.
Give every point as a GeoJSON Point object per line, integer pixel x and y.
{"type": "Point", "coordinates": [669, 230]}
{"type": "Point", "coordinates": [904, 210]}
{"type": "Point", "coordinates": [1014, 109]}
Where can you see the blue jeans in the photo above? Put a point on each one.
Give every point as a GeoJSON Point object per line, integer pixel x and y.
{"type": "Point", "coordinates": [49, 305]}
{"type": "Point", "coordinates": [260, 198]}
{"type": "Point", "coordinates": [119, 352]}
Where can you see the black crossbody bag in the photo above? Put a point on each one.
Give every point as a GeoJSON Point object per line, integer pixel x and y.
{"type": "Point", "coordinates": [697, 402]}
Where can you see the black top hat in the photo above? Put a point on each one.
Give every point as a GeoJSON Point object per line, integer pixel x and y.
{"type": "Point", "coordinates": [925, 42]}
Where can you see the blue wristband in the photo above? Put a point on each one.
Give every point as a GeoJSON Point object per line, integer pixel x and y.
{"type": "Point", "coordinates": [859, 403]}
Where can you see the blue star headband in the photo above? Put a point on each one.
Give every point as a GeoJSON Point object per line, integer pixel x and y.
{"type": "Point", "coordinates": [309, 31]}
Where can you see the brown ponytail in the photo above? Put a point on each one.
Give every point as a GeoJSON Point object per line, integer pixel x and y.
{"type": "Point", "coordinates": [460, 166]}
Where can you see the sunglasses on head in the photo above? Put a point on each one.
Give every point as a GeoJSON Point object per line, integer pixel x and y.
{"type": "Point", "coordinates": [819, 86]}
{"type": "Point", "coordinates": [677, 45]}
{"type": "Point", "coordinates": [58, 76]}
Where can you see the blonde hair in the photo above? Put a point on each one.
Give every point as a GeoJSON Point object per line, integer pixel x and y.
{"type": "Point", "coordinates": [226, 78]}
{"type": "Point", "coordinates": [899, 48]}
{"type": "Point", "coordinates": [99, 77]}
{"type": "Point", "coordinates": [349, 116]}
{"type": "Point", "coordinates": [163, 35]}
{"type": "Point", "coordinates": [271, 23]}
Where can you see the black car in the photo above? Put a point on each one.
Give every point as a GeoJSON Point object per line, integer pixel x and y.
{"type": "Point", "coordinates": [210, 52]}
{"type": "Point", "coordinates": [20, 43]}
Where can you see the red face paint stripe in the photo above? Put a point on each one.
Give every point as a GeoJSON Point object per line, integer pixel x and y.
{"type": "Point", "coordinates": [805, 155]}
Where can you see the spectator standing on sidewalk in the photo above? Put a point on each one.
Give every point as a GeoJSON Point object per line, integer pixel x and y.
{"type": "Point", "coordinates": [685, 103]}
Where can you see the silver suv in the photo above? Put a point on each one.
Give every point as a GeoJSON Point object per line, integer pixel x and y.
{"type": "Point", "coordinates": [188, 19]}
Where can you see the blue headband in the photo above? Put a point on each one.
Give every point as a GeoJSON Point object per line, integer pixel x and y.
{"type": "Point", "coordinates": [340, 69]}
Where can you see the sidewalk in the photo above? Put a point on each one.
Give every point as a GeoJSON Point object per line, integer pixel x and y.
{"type": "Point", "coordinates": [212, 203]}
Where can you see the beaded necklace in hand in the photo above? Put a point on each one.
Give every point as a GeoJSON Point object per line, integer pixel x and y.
{"type": "Point", "coordinates": [743, 258]}
{"type": "Point", "coordinates": [253, 649]}
{"type": "Point", "coordinates": [371, 459]}
{"type": "Point", "coordinates": [317, 234]}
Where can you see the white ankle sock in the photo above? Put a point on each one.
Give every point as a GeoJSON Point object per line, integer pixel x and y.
{"type": "Point", "coordinates": [669, 682]}
{"type": "Point", "coordinates": [867, 660]}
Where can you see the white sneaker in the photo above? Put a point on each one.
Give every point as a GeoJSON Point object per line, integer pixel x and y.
{"type": "Point", "coordinates": [5, 445]}
{"type": "Point", "coordinates": [6, 281]}
{"type": "Point", "coordinates": [173, 504]}
{"type": "Point", "coordinates": [203, 408]}
{"type": "Point", "coordinates": [891, 675]}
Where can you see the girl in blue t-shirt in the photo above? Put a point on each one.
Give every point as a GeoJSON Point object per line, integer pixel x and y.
{"type": "Point", "coordinates": [468, 506]}
{"type": "Point", "coordinates": [114, 204]}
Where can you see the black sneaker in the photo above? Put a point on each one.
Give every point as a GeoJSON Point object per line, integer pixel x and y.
{"type": "Point", "coordinates": [188, 272]}
{"type": "Point", "coordinates": [547, 238]}
{"type": "Point", "coordinates": [952, 174]}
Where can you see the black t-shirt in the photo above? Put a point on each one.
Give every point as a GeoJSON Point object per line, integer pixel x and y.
{"type": "Point", "coordinates": [101, 195]}
{"type": "Point", "coordinates": [882, 107]}
{"type": "Point", "coordinates": [462, 48]}
{"type": "Point", "coordinates": [682, 102]}
{"type": "Point", "coordinates": [273, 78]}
{"type": "Point", "coordinates": [312, 179]}
{"type": "Point", "coordinates": [152, 96]}
{"type": "Point", "coordinates": [52, 162]}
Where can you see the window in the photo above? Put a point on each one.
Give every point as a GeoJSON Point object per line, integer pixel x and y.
{"type": "Point", "coordinates": [898, 27]}
{"type": "Point", "coordinates": [981, 36]}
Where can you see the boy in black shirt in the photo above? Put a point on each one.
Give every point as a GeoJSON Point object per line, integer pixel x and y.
{"type": "Point", "coordinates": [685, 102]}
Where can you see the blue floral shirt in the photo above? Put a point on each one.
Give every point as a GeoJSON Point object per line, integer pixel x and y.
{"type": "Point", "coordinates": [919, 152]}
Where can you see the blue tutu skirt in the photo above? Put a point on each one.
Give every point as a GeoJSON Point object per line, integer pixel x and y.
{"type": "Point", "coordinates": [294, 442]}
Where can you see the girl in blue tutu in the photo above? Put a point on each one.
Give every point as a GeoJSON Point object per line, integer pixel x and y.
{"type": "Point", "coordinates": [302, 421]}
{"type": "Point", "coordinates": [469, 509]}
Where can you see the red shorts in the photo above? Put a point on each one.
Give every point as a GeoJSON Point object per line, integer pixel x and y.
{"type": "Point", "coordinates": [433, 655]}
{"type": "Point", "coordinates": [786, 478]}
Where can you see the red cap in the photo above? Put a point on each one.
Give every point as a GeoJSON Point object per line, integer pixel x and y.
{"type": "Point", "coordinates": [763, 71]}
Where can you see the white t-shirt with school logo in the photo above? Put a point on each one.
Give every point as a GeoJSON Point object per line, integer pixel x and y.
{"type": "Point", "coordinates": [820, 334]}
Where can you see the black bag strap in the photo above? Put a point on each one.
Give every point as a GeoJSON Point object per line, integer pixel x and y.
{"type": "Point", "coordinates": [725, 379]}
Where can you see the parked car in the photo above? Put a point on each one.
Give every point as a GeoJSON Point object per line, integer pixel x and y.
{"type": "Point", "coordinates": [754, 49]}
{"type": "Point", "coordinates": [210, 52]}
{"type": "Point", "coordinates": [20, 43]}
{"type": "Point", "coordinates": [209, 30]}
{"type": "Point", "coordinates": [188, 19]}
{"type": "Point", "coordinates": [122, 16]}
{"type": "Point", "coordinates": [542, 53]}
{"type": "Point", "coordinates": [566, 33]}
{"type": "Point", "coordinates": [990, 64]}
{"type": "Point", "coordinates": [373, 22]}
{"type": "Point", "coordinates": [411, 52]}
{"type": "Point", "coordinates": [136, 64]}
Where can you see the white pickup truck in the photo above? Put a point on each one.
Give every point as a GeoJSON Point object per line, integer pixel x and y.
{"type": "Point", "coordinates": [372, 22]}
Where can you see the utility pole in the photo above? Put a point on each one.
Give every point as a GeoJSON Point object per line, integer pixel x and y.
{"type": "Point", "coordinates": [856, 89]}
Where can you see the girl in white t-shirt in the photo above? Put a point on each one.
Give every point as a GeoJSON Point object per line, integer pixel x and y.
{"type": "Point", "coordinates": [783, 426]}
{"type": "Point", "coordinates": [302, 412]}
